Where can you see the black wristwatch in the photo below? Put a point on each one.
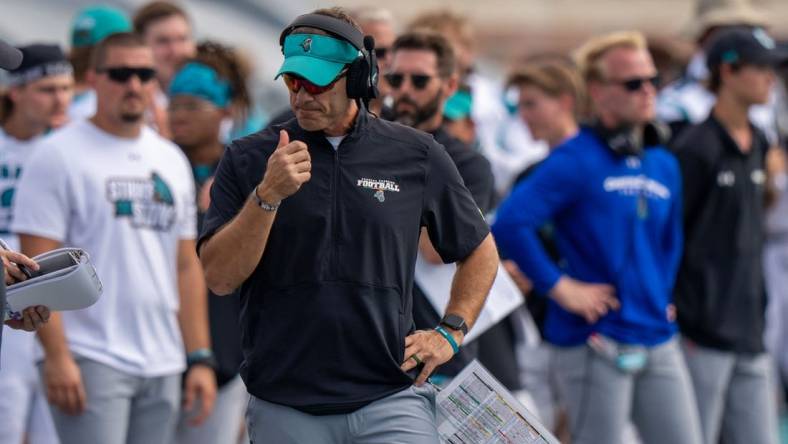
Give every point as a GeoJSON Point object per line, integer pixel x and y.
{"type": "Point", "coordinates": [455, 322]}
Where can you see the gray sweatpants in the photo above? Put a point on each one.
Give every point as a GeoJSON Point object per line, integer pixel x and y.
{"type": "Point", "coordinates": [406, 417]}
{"type": "Point", "coordinates": [224, 424]}
{"type": "Point", "coordinates": [736, 396]}
{"type": "Point", "coordinates": [121, 409]}
{"type": "Point", "coordinates": [601, 399]}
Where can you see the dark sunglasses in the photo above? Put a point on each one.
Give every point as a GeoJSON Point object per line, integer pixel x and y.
{"type": "Point", "coordinates": [381, 53]}
{"type": "Point", "coordinates": [295, 83]}
{"type": "Point", "coordinates": [122, 74]}
{"type": "Point", "coordinates": [396, 79]}
{"type": "Point", "coordinates": [632, 85]}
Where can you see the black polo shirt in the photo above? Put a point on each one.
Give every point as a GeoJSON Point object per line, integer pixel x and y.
{"type": "Point", "coordinates": [325, 314]}
{"type": "Point", "coordinates": [720, 294]}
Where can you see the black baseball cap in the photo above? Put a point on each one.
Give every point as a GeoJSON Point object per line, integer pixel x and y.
{"type": "Point", "coordinates": [747, 47]}
{"type": "Point", "coordinates": [10, 57]}
{"type": "Point", "coordinates": [39, 60]}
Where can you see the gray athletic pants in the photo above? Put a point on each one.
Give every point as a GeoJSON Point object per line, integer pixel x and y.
{"type": "Point", "coordinates": [406, 417]}
{"type": "Point", "coordinates": [122, 409]}
{"type": "Point", "coordinates": [737, 399]}
{"type": "Point", "coordinates": [224, 424]}
{"type": "Point", "coordinates": [601, 399]}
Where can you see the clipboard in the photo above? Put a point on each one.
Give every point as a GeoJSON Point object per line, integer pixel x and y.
{"type": "Point", "coordinates": [476, 408]}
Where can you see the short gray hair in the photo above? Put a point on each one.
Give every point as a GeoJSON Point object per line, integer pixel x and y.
{"type": "Point", "coordinates": [367, 14]}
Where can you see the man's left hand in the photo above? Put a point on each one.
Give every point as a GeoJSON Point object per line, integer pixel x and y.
{"type": "Point", "coordinates": [32, 319]}
{"type": "Point", "coordinates": [428, 347]}
{"type": "Point", "coordinates": [200, 385]}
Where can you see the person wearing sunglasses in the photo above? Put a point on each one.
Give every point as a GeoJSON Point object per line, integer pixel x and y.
{"type": "Point", "coordinates": [613, 195]}
{"type": "Point", "coordinates": [422, 77]}
{"type": "Point", "coordinates": [114, 187]}
{"type": "Point", "coordinates": [317, 221]}
{"type": "Point", "coordinates": [721, 294]}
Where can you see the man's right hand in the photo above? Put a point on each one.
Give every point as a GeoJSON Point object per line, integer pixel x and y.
{"type": "Point", "coordinates": [289, 167]}
{"type": "Point", "coordinates": [591, 301]}
{"type": "Point", "coordinates": [63, 382]}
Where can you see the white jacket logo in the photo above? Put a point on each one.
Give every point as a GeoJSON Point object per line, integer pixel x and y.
{"type": "Point", "coordinates": [637, 186]}
{"type": "Point", "coordinates": [380, 186]}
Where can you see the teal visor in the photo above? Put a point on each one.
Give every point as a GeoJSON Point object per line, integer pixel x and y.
{"type": "Point", "coordinates": [317, 58]}
{"type": "Point", "coordinates": [198, 80]}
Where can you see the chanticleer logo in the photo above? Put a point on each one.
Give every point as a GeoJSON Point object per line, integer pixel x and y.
{"type": "Point", "coordinates": [380, 186]}
{"type": "Point", "coordinates": [306, 45]}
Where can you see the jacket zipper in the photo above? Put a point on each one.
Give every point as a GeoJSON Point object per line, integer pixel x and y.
{"type": "Point", "coordinates": [334, 216]}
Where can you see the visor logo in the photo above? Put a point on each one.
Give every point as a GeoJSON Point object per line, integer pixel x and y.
{"type": "Point", "coordinates": [306, 45]}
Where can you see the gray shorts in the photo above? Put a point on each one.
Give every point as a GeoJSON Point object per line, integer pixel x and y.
{"type": "Point", "coordinates": [407, 417]}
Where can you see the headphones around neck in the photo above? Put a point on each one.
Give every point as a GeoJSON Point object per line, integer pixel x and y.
{"type": "Point", "coordinates": [362, 75]}
{"type": "Point", "coordinates": [627, 141]}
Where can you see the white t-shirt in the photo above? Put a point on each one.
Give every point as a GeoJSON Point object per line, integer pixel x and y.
{"type": "Point", "coordinates": [18, 352]}
{"type": "Point", "coordinates": [128, 203]}
{"type": "Point", "coordinates": [14, 153]}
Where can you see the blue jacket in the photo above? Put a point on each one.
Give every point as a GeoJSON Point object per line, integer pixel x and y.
{"type": "Point", "coordinates": [617, 220]}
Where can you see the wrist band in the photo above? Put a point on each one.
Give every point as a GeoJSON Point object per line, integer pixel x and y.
{"type": "Point", "coordinates": [198, 355]}
{"type": "Point", "coordinates": [449, 338]}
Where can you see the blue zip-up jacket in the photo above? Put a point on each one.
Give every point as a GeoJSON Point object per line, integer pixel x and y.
{"type": "Point", "coordinates": [617, 220]}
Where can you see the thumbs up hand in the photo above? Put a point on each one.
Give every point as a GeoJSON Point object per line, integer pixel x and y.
{"type": "Point", "coordinates": [289, 167]}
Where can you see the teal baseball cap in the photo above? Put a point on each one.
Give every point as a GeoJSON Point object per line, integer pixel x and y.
{"type": "Point", "coordinates": [94, 23]}
{"type": "Point", "coordinates": [317, 58]}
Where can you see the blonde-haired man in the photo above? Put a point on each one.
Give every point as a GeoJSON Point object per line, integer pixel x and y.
{"type": "Point", "coordinates": [613, 195]}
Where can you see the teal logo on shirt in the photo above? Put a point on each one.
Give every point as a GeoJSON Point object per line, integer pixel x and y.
{"type": "Point", "coordinates": [8, 177]}
{"type": "Point", "coordinates": [147, 203]}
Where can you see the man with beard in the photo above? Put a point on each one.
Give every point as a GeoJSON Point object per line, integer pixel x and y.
{"type": "Point", "coordinates": [114, 187]}
{"type": "Point", "coordinates": [422, 78]}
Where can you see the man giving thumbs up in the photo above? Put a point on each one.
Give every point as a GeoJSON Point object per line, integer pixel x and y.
{"type": "Point", "coordinates": [317, 220]}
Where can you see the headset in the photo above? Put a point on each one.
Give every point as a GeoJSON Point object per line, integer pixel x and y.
{"type": "Point", "coordinates": [627, 141]}
{"type": "Point", "coordinates": [362, 75]}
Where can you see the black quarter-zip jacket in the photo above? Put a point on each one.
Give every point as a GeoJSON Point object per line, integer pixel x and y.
{"type": "Point", "coordinates": [325, 314]}
{"type": "Point", "coordinates": [720, 295]}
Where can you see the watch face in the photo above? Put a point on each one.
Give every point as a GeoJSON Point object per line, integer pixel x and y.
{"type": "Point", "coordinates": [454, 322]}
